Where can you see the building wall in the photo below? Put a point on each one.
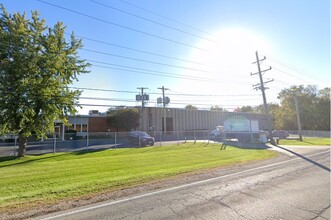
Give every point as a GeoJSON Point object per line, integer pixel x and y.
{"type": "Point", "coordinates": [188, 119]}
{"type": "Point", "coordinates": [99, 124]}
{"type": "Point", "coordinates": [183, 120]}
{"type": "Point", "coordinates": [89, 123]}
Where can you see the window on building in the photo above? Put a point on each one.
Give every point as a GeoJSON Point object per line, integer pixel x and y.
{"type": "Point", "coordinates": [78, 128]}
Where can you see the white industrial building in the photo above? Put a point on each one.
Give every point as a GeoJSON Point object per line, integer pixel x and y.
{"type": "Point", "coordinates": [189, 119]}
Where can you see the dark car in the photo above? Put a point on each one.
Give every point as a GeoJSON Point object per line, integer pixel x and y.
{"type": "Point", "coordinates": [141, 138]}
{"type": "Point", "coordinates": [281, 134]}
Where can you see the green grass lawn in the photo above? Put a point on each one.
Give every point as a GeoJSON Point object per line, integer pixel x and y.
{"type": "Point", "coordinates": [48, 178]}
{"type": "Point", "coordinates": [306, 141]}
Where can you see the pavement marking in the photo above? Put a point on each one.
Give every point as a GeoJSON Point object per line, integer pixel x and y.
{"type": "Point", "coordinates": [175, 188]}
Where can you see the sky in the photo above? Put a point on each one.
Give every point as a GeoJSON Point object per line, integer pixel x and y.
{"type": "Point", "coordinates": [201, 51]}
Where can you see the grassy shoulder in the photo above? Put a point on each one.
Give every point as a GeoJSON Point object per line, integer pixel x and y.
{"type": "Point", "coordinates": [49, 178]}
{"type": "Point", "coordinates": [307, 141]}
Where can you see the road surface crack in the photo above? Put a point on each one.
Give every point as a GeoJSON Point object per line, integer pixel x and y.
{"type": "Point", "coordinates": [249, 195]}
{"type": "Point", "coordinates": [318, 215]}
{"type": "Point", "coordinates": [175, 212]}
{"type": "Point", "coordinates": [229, 207]}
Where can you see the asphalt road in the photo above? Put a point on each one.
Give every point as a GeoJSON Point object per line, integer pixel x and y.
{"type": "Point", "coordinates": [294, 187]}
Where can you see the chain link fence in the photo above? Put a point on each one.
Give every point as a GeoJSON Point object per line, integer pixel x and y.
{"type": "Point", "coordinates": [98, 141]}
{"type": "Point", "coordinates": [310, 133]}
{"type": "Point", "coordinates": [112, 140]}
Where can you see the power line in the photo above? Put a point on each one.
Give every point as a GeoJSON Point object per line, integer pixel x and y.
{"type": "Point", "coordinates": [136, 50]}
{"type": "Point", "coordinates": [175, 94]}
{"type": "Point", "coordinates": [292, 75]}
{"type": "Point", "coordinates": [193, 102]}
{"type": "Point", "coordinates": [119, 46]}
{"type": "Point", "coordinates": [148, 71]}
{"type": "Point", "coordinates": [157, 73]}
{"type": "Point", "coordinates": [167, 18]}
{"type": "Point", "coordinates": [121, 26]}
{"type": "Point", "coordinates": [101, 90]}
{"type": "Point", "coordinates": [292, 68]}
{"type": "Point", "coordinates": [215, 95]}
{"type": "Point", "coordinates": [151, 21]}
{"type": "Point", "coordinates": [144, 71]}
{"type": "Point", "coordinates": [114, 106]}
{"type": "Point", "coordinates": [143, 60]}
{"type": "Point", "coordinates": [79, 98]}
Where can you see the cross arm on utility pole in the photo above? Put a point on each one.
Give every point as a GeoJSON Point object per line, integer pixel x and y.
{"type": "Point", "coordinates": [259, 60]}
{"type": "Point", "coordinates": [262, 71]}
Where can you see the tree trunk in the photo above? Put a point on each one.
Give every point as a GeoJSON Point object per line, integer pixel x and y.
{"type": "Point", "coordinates": [22, 143]}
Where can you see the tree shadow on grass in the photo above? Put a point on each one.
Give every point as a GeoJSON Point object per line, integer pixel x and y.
{"type": "Point", "coordinates": [7, 158]}
{"type": "Point", "coordinates": [11, 158]}
{"type": "Point", "coordinates": [88, 151]}
{"type": "Point", "coordinates": [48, 156]}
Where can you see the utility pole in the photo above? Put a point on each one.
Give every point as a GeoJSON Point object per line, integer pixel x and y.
{"type": "Point", "coordinates": [142, 105]}
{"type": "Point", "coordinates": [263, 88]}
{"type": "Point", "coordinates": [164, 110]}
{"type": "Point", "coordinates": [298, 117]}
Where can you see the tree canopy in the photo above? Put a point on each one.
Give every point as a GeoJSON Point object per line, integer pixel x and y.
{"type": "Point", "coordinates": [37, 64]}
{"type": "Point", "coordinates": [217, 108]}
{"type": "Point", "coordinates": [314, 108]}
{"type": "Point", "coordinates": [192, 107]}
{"type": "Point", "coordinates": [123, 118]}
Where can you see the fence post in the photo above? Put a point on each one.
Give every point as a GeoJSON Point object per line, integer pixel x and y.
{"type": "Point", "coordinates": [87, 140]}
{"type": "Point", "coordinates": [177, 137]}
{"type": "Point", "coordinates": [54, 143]}
{"type": "Point", "coordinates": [115, 139]}
{"type": "Point", "coordinates": [15, 147]}
{"type": "Point", "coordinates": [160, 138]}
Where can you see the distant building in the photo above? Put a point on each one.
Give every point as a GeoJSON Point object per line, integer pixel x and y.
{"type": "Point", "coordinates": [176, 120]}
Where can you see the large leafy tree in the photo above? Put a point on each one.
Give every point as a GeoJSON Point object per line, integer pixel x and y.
{"type": "Point", "coordinates": [323, 109]}
{"type": "Point", "coordinates": [123, 118]}
{"type": "Point", "coordinates": [314, 108]}
{"type": "Point", "coordinates": [37, 64]}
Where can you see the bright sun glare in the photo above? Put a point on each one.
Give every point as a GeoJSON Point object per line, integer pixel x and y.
{"type": "Point", "coordinates": [229, 62]}
{"type": "Point", "coordinates": [230, 54]}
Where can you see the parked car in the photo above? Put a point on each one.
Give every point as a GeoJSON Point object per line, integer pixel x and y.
{"type": "Point", "coordinates": [141, 138]}
{"type": "Point", "coordinates": [281, 134]}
